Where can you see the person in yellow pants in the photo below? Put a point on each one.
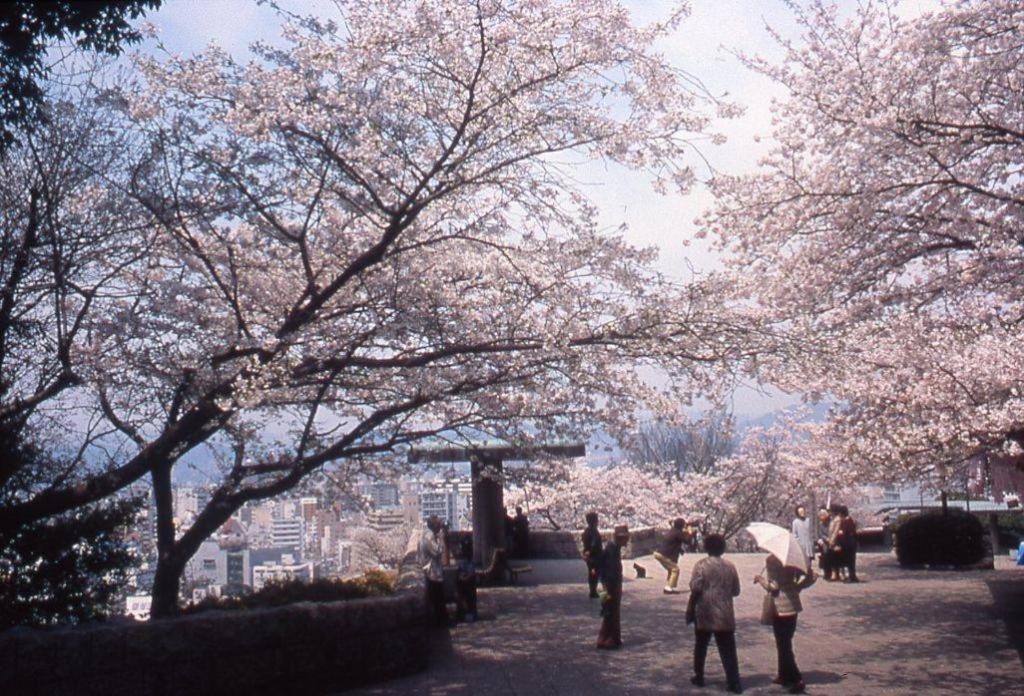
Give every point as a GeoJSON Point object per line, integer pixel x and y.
{"type": "Point", "coordinates": [668, 553]}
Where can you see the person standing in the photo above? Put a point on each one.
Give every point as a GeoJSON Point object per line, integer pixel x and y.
{"type": "Point", "coordinates": [713, 585]}
{"type": "Point", "coordinates": [432, 551]}
{"type": "Point", "coordinates": [783, 585]}
{"type": "Point", "coordinates": [668, 554]}
{"type": "Point", "coordinates": [592, 548]}
{"type": "Point", "coordinates": [835, 551]}
{"type": "Point", "coordinates": [521, 533]}
{"type": "Point", "coordinates": [848, 543]}
{"type": "Point", "coordinates": [824, 555]}
{"type": "Point", "coordinates": [801, 529]}
{"type": "Point", "coordinates": [510, 526]}
{"type": "Point", "coordinates": [610, 635]}
{"type": "Point", "coordinates": [465, 583]}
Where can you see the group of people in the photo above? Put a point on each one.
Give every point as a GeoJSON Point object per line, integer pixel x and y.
{"type": "Point", "coordinates": [714, 583]}
{"type": "Point", "coordinates": [434, 551]}
{"type": "Point", "coordinates": [836, 545]}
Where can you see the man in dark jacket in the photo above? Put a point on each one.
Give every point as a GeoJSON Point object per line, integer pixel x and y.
{"type": "Point", "coordinates": [668, 553]}
{"type": "Point", "coordinates": [592, 549]}
{"type": "Point", "coordinates": [610, 635]}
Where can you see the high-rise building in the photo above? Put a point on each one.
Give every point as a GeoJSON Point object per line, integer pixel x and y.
{"type": "Point", "coordinates": [288, 532]}
{"type": "Point", "coordinates": [307, 507]}
{"type": "Point", "coordinates": [381, 494]}
{"type": "Point", "coordinates": [450, 500]}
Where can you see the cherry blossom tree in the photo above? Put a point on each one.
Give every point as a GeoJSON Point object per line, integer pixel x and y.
{"type": "Point", "coordinates": [771, 471]}
{"type": "Point", "coordinates": [384, 548]}
{"type": "Point", "coordinates": [884, 229]}
{"type": "Point", "coordinates": [372, 236]}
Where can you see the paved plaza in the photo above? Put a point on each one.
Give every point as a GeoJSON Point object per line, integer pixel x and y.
{"type": "Point", "coordinates": [899, 632]}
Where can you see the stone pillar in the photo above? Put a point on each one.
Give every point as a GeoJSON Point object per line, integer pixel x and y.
{"type": "Point", "coordinates": [488, 509]}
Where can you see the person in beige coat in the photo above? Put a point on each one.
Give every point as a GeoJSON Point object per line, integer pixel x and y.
{"type": "Point", "coordinates": [713, 584]}
{"type": "Point", "coordinates": [783, 585]}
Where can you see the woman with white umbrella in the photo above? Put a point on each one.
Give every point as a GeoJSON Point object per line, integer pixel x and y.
{"type": "Point", "coordinates": [786, 575]}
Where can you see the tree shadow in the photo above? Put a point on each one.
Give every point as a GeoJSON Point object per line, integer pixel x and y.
{"type": "Point", "coordinates": [1008, 595]}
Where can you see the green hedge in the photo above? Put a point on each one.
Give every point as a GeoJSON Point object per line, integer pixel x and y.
{"type": "Point", "coordinates": [375, 583]}
{"type": "Point", "coordinates": [956, 538]}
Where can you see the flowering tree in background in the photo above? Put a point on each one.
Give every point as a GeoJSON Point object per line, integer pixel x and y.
{"type": "Point", "coordinates": [384, 548]}
{"type": "Point", "coordinates": [885, 228]}
{"type": "Point", "coordinates": [769, 473]}
{"type": "Point", "coordinates": [371, 236]}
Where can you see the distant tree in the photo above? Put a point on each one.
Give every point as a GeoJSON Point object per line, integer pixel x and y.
{"type": "Point", "coordinates": [384, 548]}
{"type": "Point", "coordinates": [28, 28]}
{"type": "Point", "coordinates": [675, 449]}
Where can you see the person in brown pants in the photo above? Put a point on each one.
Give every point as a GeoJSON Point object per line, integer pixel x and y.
{"type": "Point", "coordinates": [668, 554]}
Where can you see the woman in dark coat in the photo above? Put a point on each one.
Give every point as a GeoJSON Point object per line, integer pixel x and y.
{"type": "Point", "coordinates": [610, 635]}
{"type": "Point", "coordinates": [592, 548]}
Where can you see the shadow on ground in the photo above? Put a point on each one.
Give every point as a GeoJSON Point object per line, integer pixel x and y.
{"type": "Point", "coordinates": [902, 632]}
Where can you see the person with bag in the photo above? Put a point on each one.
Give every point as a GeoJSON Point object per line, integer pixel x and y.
{"type": "Point", "coordinates": [782, 585]}
{"type": "Point", "coordinates": [592, 548]}
{"type": "Point", "coordinates": [713, 584]}
{"type": "Point", "coordinates": [610, 635]}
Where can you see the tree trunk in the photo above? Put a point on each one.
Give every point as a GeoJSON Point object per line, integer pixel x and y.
{"type": "Point", "coordinates": [945, 502]}
{"type": "Point", "coordinates": [166, 586]}
{"type": "Point", "coordinates": [168, 572]}
{"type": "Point", "coordinates": [173, 557]}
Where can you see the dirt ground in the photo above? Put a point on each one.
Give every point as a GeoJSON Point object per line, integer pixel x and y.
{"type": "Point", "coordinates": [898, 632]}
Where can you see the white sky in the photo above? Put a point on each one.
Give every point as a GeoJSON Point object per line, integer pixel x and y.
{"type": "Point", "coordinates": [702, 46]}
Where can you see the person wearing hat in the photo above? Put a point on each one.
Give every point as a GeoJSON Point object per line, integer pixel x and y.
{"type": "Point", "coordinates": [610, 635]}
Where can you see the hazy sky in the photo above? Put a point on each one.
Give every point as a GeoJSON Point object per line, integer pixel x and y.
{"type": "Point", "coordinates": [703, 46]}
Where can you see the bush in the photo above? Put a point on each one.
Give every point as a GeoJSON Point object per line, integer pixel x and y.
{"type": "Point", "coordinates": [1011, 529]}
{"type": "Point", "coordinates": [935, 539]}
{"type": "Point", "coordinates": [374, 583]}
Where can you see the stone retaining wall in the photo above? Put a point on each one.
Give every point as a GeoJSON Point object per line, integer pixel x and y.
{"type": "Point", "coordinates": [307, 648]}
{"type": "Point", "coordinates": [566, 544]}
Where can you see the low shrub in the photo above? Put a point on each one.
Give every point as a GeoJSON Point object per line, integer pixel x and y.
{"type": "Point", "coordinates": [956, 538]}
{"type": "Point", "coordinates": [374, 583]}
{"type": "Point", "coordinates": [1011, 529]}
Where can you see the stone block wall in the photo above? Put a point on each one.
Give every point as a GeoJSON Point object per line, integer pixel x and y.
{"type": "Point", "coordinates": [566, 544]}
{"type": "Point", "coordinates": [308, 648]}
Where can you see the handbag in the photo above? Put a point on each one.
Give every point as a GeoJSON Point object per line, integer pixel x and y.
{"type": "Point", "coordinates": [691, 608]}
{"type": "Point", "coordinates": [768, 613]}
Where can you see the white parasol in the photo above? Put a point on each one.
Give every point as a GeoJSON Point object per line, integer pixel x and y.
{"type": "Point", "coordinates": [780, 543]}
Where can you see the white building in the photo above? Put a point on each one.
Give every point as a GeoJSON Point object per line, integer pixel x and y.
{"type": "Point", "coordinates": [138, 606]}
{"type": "Point", "coordinates": [288, 532]}
{"type": "Point", "coordinates": [287, 570]}
{"type": "Point", "coordinates": [381, 494]}
{"type": "Point", "coordinates": [452, 501]}
{"type": "Point", "coordinates": [381, 520]}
